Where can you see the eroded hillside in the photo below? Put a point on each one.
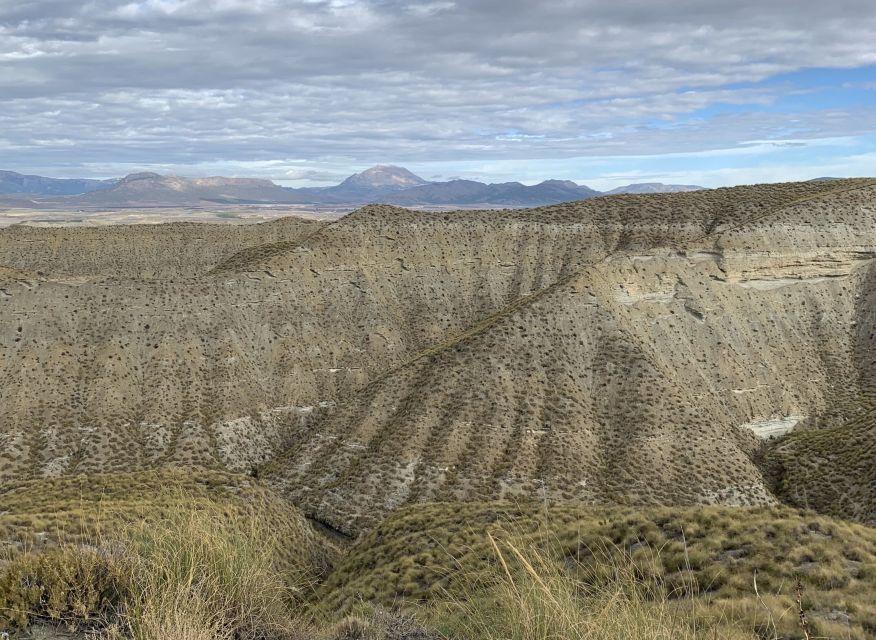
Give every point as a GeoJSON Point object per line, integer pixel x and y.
{"type": "Point", "coordinates": [631, 349]}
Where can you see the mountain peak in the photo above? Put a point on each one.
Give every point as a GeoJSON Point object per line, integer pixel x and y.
{"type": "Point", "coordinates": [559, 183]}
{"type": "Point", "coordinates": [386, 177]}
{"type": "Point", "coordinates": [142, 175]}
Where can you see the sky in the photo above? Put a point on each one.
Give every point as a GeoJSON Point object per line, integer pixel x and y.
{"type": "Point", "coordinates": [307, 92]}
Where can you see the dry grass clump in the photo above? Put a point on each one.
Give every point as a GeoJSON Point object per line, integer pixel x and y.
{"type": "Point", "coordinates": [701, 559]}
{"type": "Point", "coordinates": [199, 575]}
{"type": "Point", "coordinates": [75, 586]}
{"type": "Point", "coordinates": [77, 510]}
{"type": "Point", "coordinates": [531, 597]}
{"type": "Point", "coordinates": [379, 623]}
{"type": "Point", "coordinates": [188, 565]}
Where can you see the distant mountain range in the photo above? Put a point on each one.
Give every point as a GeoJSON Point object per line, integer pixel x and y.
{"type": "Point", "coordinates": [512, 194]}
{"type": "Point", "coordinates": [383, 183]}
{"type": "Point", "coordinates": [16, 183]}
{"type": "Point", "coordinates": [152, 189]}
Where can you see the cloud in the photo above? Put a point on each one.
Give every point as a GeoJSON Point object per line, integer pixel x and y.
{"type": "Point", "coordinates": [313, 175]}
{"type": "Point", "coordinates": [852, 166]}
{"type": "Point", "coordinates": [347, 83]}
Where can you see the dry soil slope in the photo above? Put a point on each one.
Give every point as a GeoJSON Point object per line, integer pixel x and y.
{"type": "Point", "coordinates": [173, 250]}
{"type": "Point", "coordinates": [641, 378]}
{"type": "Point", "coordinates": [144, 350]}
{"type": "Point", "coordinates": [833, 468]}
{"type": "Point", "coordinates": [135, 347]}
{"type": "Point", "coordinates": [227, 357]}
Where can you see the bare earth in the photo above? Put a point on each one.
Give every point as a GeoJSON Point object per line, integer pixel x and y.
{"type": "Point", "coordinates": [628, 349]}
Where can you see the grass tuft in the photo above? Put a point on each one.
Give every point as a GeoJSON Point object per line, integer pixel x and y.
{"type": "Point", "coordinates": [199, 573]}
{"type": "Point", "coordinates": [528, 595]}
{"type": "Point", "coordinates": [199, 568]}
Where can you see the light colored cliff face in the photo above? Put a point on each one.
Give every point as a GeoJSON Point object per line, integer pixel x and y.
{"type": "Point", "coordinates": [626, 349]}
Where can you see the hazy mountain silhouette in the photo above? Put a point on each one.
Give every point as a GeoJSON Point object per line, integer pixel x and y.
{"type": "Point", "coordinates": [381, 183]}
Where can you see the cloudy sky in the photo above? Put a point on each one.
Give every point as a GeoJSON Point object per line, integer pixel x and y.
{"type": "Point", "coordinates": [306, 92]}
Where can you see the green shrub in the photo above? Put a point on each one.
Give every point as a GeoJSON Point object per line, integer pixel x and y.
{"type": "Point", "coordinates": [75, 585]}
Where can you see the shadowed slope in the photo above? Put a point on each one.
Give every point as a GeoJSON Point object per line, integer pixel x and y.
{"type": "Point", "coordinates": [832, 468]}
